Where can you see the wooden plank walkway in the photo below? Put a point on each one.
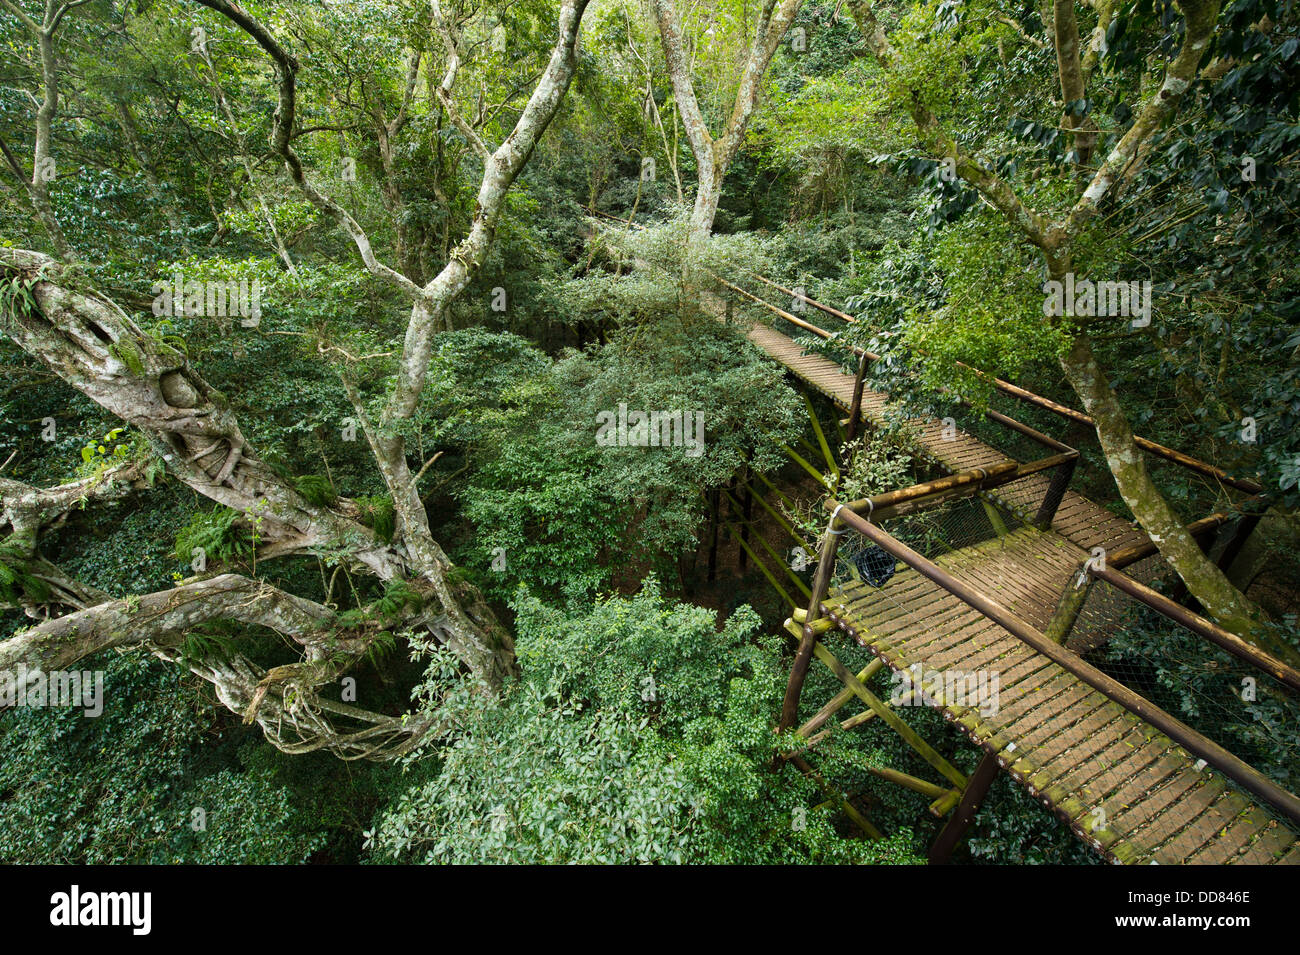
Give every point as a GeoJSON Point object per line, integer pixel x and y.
{"type": "Point", "coordinates": [1078, 519]}
{"type": "Point", "coordinates": [1125, 788]}
{"type": "Point", "coordinates": [1129, 791]}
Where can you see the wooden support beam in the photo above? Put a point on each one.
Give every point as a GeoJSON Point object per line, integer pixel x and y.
{"type": "Point", "coordinates": [819, 626]}
{"type": "Point", "coordinates": [808, 638]}
{"type": "Point", "coordinates": [852, 722]}
{"type": "Point", "coordinates": [1202, 530]}
{"type": "Point", "coordinates": [1056, 488]}
{"type": "Point", "coordinates": [809, 448]}
{"type": "Point", "coordinates": [995, 517]}
{"type": "Point", "coordinates": [758, 562]}
{"type": "Point", "coordinates": [881, 709]}
{"type": "Point", "coordinates": [780, 559]}
{"type": "Point", "coordinates": [780, 519]}
{"type": "Point", "coordinates": [820, 478]}
{"type": "Point", "coordinates": [945, 803]}
{"type": "Point", "coordinates": [921, 786]}
{"type": "Point", "coordinates": [838, 700]}
{"type": "Point", "coordinates": [976, 789]}
{"type": "Point", "coordinates": [821, 436]}
{"type": "Point", "coordinates": [855, 409]}
{"type": "Point", "coordinates": [1073, 598]}
{"type": "Point", "coordinates": [775, 490]}
{"type": "Point", "coordinates": [861, 821]}
{"type": "Point", "coordinates": [910, 736]}
{"type": "Point", "coordinates": [906, 780]}
{"type": "Point", "coordinates": [773, 581]}
{"type": "Point", "coordinates": [747, 510]}
{"type": "Point", "coordinates": [786, 525]}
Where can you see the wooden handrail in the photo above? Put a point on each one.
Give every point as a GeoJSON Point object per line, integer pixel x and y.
{"type": "Point", "coordinates": [1032, 434]}
{"type": "Point", "coordinates": [918, 497]}
{"type": "Point", "coordinates": [881, 503]}
{"type": "Point", "coordinates": [1185, 461]}
{"type": "Point", "coordinates": [793, 319]}
{"type": "Point", "coordinates": [1213, 754]}
{"type": "Point", "coordinates": [1185, 618]}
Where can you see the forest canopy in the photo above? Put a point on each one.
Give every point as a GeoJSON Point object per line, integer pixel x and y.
{"type": "Point", "coordinates": [310, 315]}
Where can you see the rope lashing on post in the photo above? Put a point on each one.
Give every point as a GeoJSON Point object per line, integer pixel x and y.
{"type": "Point", "coordinates": [835, 515]}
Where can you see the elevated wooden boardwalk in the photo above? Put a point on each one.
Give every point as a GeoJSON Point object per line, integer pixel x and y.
{"type": "Point", "coordinates": [1123, 786]}
{"type": "Point", "coordinates": [1078, 519]}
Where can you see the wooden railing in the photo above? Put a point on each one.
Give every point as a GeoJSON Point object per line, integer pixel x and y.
{"type": "Point", "coordinates": [845, 517]}
{"type": "Point", "coordinates": [1023, 395]}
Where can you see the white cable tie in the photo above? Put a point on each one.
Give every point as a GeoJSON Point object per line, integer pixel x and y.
{"type": "Point", "coordinates": [834, 515]}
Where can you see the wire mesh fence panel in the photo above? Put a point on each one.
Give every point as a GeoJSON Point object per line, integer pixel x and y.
{"type": "Point", "coordinates": [1247, 712]}
{"type": "Point", "coordinates": [1013, 444]}
{"type": "Point", "coordinates": [1106, 609]}
{"type": "Point", "coordinates": [934, 532]}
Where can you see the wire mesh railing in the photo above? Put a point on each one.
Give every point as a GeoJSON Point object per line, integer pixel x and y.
{"type": "Point", "coordinates": [1130, 666]}
{"type": "Point", "coordinates": [1239, 706]}
{"type": "Point", "coordinates": [933, 532]}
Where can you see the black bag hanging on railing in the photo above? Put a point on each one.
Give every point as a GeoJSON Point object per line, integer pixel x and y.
{"type": "Point", "coordinates": [875, 565]}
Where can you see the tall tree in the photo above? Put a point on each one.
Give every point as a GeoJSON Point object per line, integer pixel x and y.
{"type": "Point", "coordinates": [714, 154]}
{"type": "Point", "coordinates": [1057, 237]}
{"type": "Point", "coordinates": [95, 347]}
{"type": "Point", "coordinates": [44, 29]}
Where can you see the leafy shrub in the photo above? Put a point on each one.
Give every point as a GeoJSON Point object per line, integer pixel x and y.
{"type": "Point", "coordinates": [122, 787]}
{"type": "Point", "coordinates": [638, 732]}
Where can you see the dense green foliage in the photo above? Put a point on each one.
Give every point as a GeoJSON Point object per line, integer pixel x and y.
{"type": "Point", "coordinates": [125, 786]}
{"type": "Point", "coordinates": [638, 733]}
{"type": "Point", "coordinates": [640, 726]}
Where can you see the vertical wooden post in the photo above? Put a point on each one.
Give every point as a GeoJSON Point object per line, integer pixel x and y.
{"type": "Point", "coordinates": [855, 410]}
{"type": "Point", "coordinates": [1056, 489]}
{"type": "Point", "coordinates": [803, 656]}
{"type": "Point", "coordinates": [994, 516]}
{"type": "Point", "coordinates": [977, 788]}
{"type": "Point", "coordinates": [714, 496]}
{"type": "Point", "coordinates": [1067, 611]}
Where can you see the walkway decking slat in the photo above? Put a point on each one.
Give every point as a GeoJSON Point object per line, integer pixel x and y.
{"type": "Point", "coordinates": [1099, 766]}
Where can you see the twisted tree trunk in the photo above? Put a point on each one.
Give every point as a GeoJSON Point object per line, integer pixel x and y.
{"type": "Point", "coordinates": [97, 349]}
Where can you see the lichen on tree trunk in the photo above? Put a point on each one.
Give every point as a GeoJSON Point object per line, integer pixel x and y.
{"type": "Point", "coordinates": [1127, 463]}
